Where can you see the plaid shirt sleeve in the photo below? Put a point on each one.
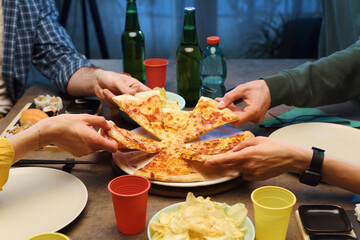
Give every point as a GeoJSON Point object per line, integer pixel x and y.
{"type": "Point", "coordinates": [33, 35]}
{"type": "Point", "coordinates": [54, 54]}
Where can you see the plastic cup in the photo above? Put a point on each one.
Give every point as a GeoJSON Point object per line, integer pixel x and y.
{"type": "Point", "coordinates": [49, 236]}
{"type": "Point", "coordinates": [129, 196]}
{"type": "Point", "coordinates": [155, 69]}
{"type": "Point", "coordinates": [272, 209]}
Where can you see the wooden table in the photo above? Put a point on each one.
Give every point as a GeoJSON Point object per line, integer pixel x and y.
{"type": "Point", "coordinates": [97, 221]}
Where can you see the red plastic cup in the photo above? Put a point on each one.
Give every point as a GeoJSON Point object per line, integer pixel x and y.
{"type": "Point", "coordinates": [129, 196]}
{"type": "Point", "coordinates": [155, 69]}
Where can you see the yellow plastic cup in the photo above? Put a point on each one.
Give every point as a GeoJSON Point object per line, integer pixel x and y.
{"type": "Point", "coordinates": [49, 236]}
{"type": "Point", "coordinates": [272, 210]}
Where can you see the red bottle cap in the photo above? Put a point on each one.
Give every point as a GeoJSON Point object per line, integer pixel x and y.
{"type": "Point", "coordinates": [213, 40]}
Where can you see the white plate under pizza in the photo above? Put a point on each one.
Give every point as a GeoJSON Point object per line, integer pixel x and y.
{"type": "Point", "coordinates": [132, 161]}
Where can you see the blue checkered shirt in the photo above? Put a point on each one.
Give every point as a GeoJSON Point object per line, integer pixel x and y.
{"type": "Point", "coordinates": [33, 35]}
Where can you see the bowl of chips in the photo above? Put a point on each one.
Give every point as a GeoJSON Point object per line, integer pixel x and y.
{"type": "Point", "coordinates": [168, 100]}
{"type": "Point", "coordinates": [200, 218]}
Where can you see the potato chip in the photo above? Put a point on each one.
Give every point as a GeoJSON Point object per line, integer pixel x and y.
{"type": "Point", "coordinates": [165, 103]}
{"type": "Point", "coordinates": [201, 219]}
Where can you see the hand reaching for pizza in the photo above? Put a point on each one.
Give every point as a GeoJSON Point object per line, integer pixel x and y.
{"type": "Point", "coordinates": [262, 158]}
{"type": "Point", "coordinates": [255, 94]}
{"type": "Point", "coordinates": [73, 133]}
{"type": "Point", "coordinates": [76, 134]}
{"type": "Point", "coordinates": [103, 84]}
{"type": "Point", "coordinates": [173, 129]}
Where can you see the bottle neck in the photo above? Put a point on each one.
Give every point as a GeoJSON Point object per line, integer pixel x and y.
{"type": "Point", "coordinates": [132, 20]}
{"type": "Point", "coordinates": [189, 35]}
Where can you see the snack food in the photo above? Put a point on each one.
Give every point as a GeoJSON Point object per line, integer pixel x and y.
{"type": "Point", "coordinates": [173, 128]}
{"type": "Point", "coordinates": [129, 140]}
{"type": "Point", "coordinates": [165, 102]}
{"type": "Point", "coordinates": [205, 117]}
{"type": "Point", "coordinates": [43, 101]}
{"type": "Point", "coordinates": [200, 218]}
{"type": "Point", "coordinates": [145, 109]}
{"type": "Point", "coordinates": [168, 166]}
{"type": "Point", "coordinates": [204, 150]}
{"type": "Point", "coordinates": [32, 115]}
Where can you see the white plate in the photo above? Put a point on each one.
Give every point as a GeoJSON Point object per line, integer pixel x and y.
{"type": "Point", "coordinates": [249, 235]}
{"type": "Point", "coordinates": [130, 162]}
{"type": "Point", "coordinates": [37, 200]}
{"type": "Point", "coordinates": [338, 140]}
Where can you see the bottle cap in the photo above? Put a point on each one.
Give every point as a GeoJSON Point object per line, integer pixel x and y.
{"type": "Point", "coordinates": [213, 40]}
{"type": "Point", "coordinates": [189, 9]}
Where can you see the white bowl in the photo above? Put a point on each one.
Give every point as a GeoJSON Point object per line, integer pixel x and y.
{"type": "Point", "coordinates": [249, 235]}
{"type": "Point", "coordinates": [171, 98]}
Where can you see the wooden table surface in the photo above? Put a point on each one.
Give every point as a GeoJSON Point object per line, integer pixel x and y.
{"type": "Point", "coordinates": [97, 221]}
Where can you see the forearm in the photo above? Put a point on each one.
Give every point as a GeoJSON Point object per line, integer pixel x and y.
{"type": "Point", "coordinates": [329, 80]}
{"type": "Point", "coordinates": [24, 142]}
{"type": "Point", "coordinates": [335, 171]}
{"type": "Point", "coordinates": [32, 138]}
{"type": "Point", "coordinates": [83, 82]}
{"type": "Point", "coordinates": [340, 173]}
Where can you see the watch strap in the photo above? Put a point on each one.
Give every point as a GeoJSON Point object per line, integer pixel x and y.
{"type": "Point", "coordinates": [317, 160]}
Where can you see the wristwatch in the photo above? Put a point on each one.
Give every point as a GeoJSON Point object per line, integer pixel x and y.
{"type": "Point", "coordinates": [312, 175]}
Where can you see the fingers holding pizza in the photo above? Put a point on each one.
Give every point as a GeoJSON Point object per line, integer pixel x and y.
{"type": "Point", "coordinates": [173, 128]}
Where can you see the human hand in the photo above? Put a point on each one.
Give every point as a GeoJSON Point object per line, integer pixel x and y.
{"type": "Point", "coordinates": [75, 133]}
{"type": "Point", "coordinates": [255, 94]}
{"type": "Point", "coordinates": [109, 84]}
{"type": "Point", "coordinates": [261, 158]}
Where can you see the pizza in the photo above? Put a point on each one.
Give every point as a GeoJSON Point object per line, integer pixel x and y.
{"type": "Point", "coordinates": [173, 128]}
{"type": "Point", "coordinates": [169, 166]}
{"type": "Point", "coordinates": [205, 117]}
{"type": "Point", "coordinates": [129, 140]}
{"type": "Point", "coordinates": [145, 108]}
{"type": "Point", "coordinates": [175, 119]}
{"type": "Point", "coordinates": [204, 150]}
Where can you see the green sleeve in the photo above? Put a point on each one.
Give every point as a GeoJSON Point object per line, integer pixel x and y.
{"type": "Point", "coordinates": [329, 80]}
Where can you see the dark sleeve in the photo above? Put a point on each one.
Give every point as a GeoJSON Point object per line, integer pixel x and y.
{"type": "Point", "coordinates": [54, 54]}
{"type": "Point", "coordinates": [329, 80]}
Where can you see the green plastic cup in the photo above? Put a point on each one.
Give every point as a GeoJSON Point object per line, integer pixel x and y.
{"type": "Point", "coordinates": [272, 207]}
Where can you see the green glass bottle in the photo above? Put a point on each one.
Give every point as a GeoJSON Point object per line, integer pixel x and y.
{"type": "Point", "coordinates": [133, 44]}
{"type": "Point", "coordinates": [188, 58]}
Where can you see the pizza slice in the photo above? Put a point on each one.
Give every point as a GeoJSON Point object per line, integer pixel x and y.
{"type": "Point", "coordinates": [203, 150]}
{"type": "Point", "coordinates": [175, 119]}
{"type": "Point", "coordinates": [145, 108]}
{"type": "Point", "coordinates": [205, 117]}
{"type": "Point", "coordinates": [129, 140]}
{"type": "Point", "coordinates": [168, 166]}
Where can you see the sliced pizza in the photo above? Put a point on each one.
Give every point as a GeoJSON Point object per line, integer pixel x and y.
{"type": "Point", "coordinates": [129, 140]}
{"type": "Point", "coordinates": [168, 166]}
{"type": "Point", "coordinates": [175, 119]}
{"type": "Point", "coordinates": [145, 108]}
{"type": "Point", "coordinates": [205, 117]}
{"type": "Point", "coordinates": [203, 150]}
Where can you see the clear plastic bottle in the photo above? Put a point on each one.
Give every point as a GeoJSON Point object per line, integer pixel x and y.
{"type": "Point", "coordinates": [213, 70]}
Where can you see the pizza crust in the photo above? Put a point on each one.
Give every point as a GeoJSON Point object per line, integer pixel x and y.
{"type": "Point", "coordinates": [193, 177]}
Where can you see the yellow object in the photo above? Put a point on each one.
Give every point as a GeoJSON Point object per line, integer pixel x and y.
{"type": "Point", "coordinates": [32, 115]}
{"type": "Point", "coordinates": [201, 218]}
{"type": "Point", "coordinates": [6, 158]}
{"type": "Point", "coordinates": [272, 209]}
{"type": "Point", "coordinates": [49, 236]}
{"type": "Point", "coordinates": [164, 100]}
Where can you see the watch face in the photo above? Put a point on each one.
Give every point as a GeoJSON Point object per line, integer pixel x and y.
{"type": "Point", "coordinates": [310, 178]}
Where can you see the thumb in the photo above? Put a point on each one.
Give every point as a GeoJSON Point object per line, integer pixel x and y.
{"type": "Point", "coordinates": [227, 99]}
